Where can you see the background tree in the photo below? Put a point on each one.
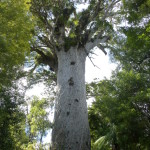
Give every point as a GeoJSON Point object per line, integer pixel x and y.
{"type": "Point", "coordinates": [37, 121]}
{"type": "Point", "coordinates": [15, 27]}
{"type": "Point", "coordinates": [122, 102]}
{"type": "Point", "coordinates": [12, 119]}
{"type": "Point", "coordinates": [121, 113]}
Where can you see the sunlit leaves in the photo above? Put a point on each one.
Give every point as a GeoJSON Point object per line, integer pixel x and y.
{"type": "Point", "coordinates": [76, 22]}
{"type": "Point", "coordinates": [14, 32]}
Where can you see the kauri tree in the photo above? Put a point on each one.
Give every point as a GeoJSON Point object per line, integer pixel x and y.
{"type": "Point", "coordinates": [64, 37]}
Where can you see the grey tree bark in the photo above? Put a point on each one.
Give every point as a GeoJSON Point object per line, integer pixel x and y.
{"type": "Point", "coordinates": [71, 127]}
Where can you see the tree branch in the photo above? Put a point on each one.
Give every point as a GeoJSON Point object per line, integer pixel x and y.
{"type": "Point", "coordinates": [102, 48]}
{"type": "Point", "coordinates": [90, 32]}
{"type": "Point", "coordinates": [44, 39]}
{"type": "Point", "coordinates": [49, 59]}
{"type": "Point", "coordinates": [109, 8]}
{"type": "Point", "coordinates": [93, 62]}
{"type": "Point", "coordinates": [90, 45]}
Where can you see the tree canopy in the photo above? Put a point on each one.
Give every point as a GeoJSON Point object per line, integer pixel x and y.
{"type": "Point", "coordinates": [60, 26]}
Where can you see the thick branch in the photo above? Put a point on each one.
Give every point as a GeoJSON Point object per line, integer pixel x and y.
{"type": "Point", "coordinates": [47, 59]}
{"type": "Point", "coordinates": [46, 41]}
{"type": "Point", "coordinates": [90, 45]}
{"type": "Point", "coordinates": [102, 48]}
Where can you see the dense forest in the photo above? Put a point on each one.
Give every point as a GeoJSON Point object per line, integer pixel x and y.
{"type": "Point", "coordinates": [47, 41]}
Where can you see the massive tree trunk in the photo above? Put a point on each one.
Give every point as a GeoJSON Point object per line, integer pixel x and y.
{"type": "Point", "coordinates": [71, 127]}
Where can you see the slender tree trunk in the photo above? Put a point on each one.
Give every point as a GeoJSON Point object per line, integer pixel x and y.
{"type": "Point", "coordinates": [71, 127]}
{"type": "Point", "coordinates": [41, 138]}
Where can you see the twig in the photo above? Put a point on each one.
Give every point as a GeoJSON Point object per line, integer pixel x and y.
{"type": "Point", "coordinates": [93, 63]}
{"type": "Point", "coordinates": [93, 53]}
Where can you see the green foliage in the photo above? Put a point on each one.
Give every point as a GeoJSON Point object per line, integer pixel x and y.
{"type": "Point", "coordinates": [136, 9]}
{"type": "Point", "coordinates": [131, 42]}
{"type": "Point", "coordinates": [38, 122]}
{"type": "Point", "coordinates": [60, 26]}
{"type": "Point", "coordinates": [123, 103]}
{"type": "Point", "coordinates": [120, 114]}
{"type": "Point", "coordinates": [133, 50]}
{"type": "Point", "coordinates": [12, 119]}
{"type": "Point", "coordinates": [15, 31]}
{"type": "Point", "coordinates": [15, 27]}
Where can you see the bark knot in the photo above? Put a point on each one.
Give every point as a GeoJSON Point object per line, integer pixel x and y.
{"type": "Point", "coordinates": [71, 82]}
{"type": "Point", "coordinates": [68, 113]}
{"type": "Point", "coordinates": [76, 100]}
{"type": "Point", "coordinates": [72, 63]}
